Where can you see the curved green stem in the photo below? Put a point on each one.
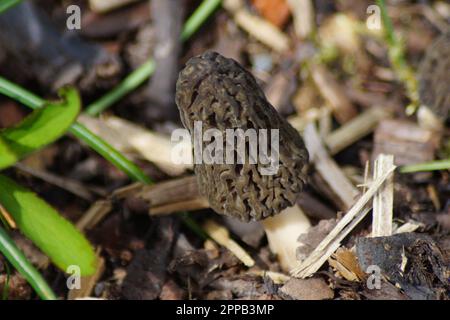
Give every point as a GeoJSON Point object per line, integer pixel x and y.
{"type": "Point", "coordinates": [427, 166]}
{"type": "Point", "coordinates": [20, 262]}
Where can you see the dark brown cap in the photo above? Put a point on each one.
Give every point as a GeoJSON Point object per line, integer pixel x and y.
{"type": "Point", "coordinates": [222, 95]}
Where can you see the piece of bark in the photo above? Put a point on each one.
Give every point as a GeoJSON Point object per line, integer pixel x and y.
{"type": "Point", "coordinates": [146, 274]}
{"type": "Point", "coordinates": [315, 235]}
{"type": "Point", "coordinates": [346, 263]}
{"type": "Point", "coordinates": [406, 141]}
{"type": "Point", "coordinates": [171, 291]}
{"type": "Point", "coordinates": [25, 34]}
{"type": "Point", "coordinates": [168, 196]}
{"type": "Point", "coordinates": [387, 291]}
{"type": "Point", "coordinates": [411, 261]}
{"type": "Point", "coordinates": [306, 289]}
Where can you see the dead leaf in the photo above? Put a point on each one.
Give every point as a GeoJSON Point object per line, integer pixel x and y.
{"type": "Point", "coordinates": [275, 11]}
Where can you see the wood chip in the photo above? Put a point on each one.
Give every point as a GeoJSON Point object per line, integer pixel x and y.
{"type": "Point", "coordinates": [275, 11]}
{"type": "Point", "coordinates": [383, 201]}
{"type": "Point", "coordinates": [262, 30]}
{"type": "Point", "coordinates": [408, 142]}
{"type": "Point", "coordinates": [103, 6]}
{"type": "Point", "coordinates": [128, 137]}
{"type": "Point", "coordinates": [355, 129]}
{"type": "Point", "coordinates": [304, 18]}
{"type": "Point", "coordinates": [221, 236]}
{"type": "Point", "coordinates": [276, 277]}
{"type": "Point", "coordinates": [346, 263]}
{"type": "Point", "coordinates": [333, 93]}
{"type": "Point", "coordinates": [167, 197]}
{"type": "Point", "coordinates": [328, 168]}
{"type": "Point", "coordinates": [306, 289]}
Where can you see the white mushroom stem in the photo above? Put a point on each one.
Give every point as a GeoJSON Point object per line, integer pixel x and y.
{"type": "Point", "coordinates": [282, 233]}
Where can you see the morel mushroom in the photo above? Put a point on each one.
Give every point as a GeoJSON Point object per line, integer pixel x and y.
{"type": "Point", "coordinates": [217, 93]}
{"type": "Point", "coordinates": [434, 80]}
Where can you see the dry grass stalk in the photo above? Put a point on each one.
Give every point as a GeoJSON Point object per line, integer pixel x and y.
{"type": "Point", "coordinates": [259, 28]}
{"type": "Point", "coordinates": [384, 198]}
{"type": "Point", "coordinates": [333, 93]}
{"type": "Point", "coordinates": [303, 15]}
{"type": "Point", "coordinates": [221, 235]}
{"type": "Point", "coordinates": [276, 277]}
{"type": "Point", "coordinates": [128, 137]}
{"type": "Point", "coordinates": [327, 167]}
{"type": "Point", "coordinates": [69, 185]}
{"type": "Point", "coordinates": [94, 214]}
{"type": "Point", "coordinates": [7, 216]}
{"type": "Point", "coordinates": [102, 6]}
{"type": "Point", "coordinates": [333, 240]}
{"type": "Point", "coordinates": [355, 129]}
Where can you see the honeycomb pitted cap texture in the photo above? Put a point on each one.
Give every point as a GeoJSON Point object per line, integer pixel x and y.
{"type": "Point", "coordinates": [220, 94]}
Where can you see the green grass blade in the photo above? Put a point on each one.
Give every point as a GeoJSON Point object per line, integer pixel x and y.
{"type": "Point", "coordinates": [142, 73]}
{"type": "Point", "coordinates": [131, 82]}
{"type": "Point", "coordinates": [402, 69]}
{"type": "Point", "coordinates": [199, 16]}
{"type": "Point", "coordinates": [42, 127]}
{"type": "Point", "coordinates": [7, 4]}
{"type": "Point", "coordinates": [427, 166]}
{"type": "Point", "coordinates": [43, 225]}
{"type": "Point", "coordinates": [109, 153]}
{"type": "Point", "coordinates": [9, 249]}
{"type": "Point", "coordinates": [32, 101]}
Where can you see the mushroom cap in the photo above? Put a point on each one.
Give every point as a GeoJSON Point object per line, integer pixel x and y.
{"type": "Point", "coordinates": [434, 77]}
{"type": "Point", "coordinates": [222, 95]}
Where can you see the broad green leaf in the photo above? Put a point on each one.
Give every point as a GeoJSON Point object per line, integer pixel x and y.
{"type": "Point", "coordinates": [7, 156]}
{"type": "Point", "coordinates": [42, 224]}
{"type": "Point", "coordinates": [7, 4]}
{"type": "Point", "coordinates": [43, 126]}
